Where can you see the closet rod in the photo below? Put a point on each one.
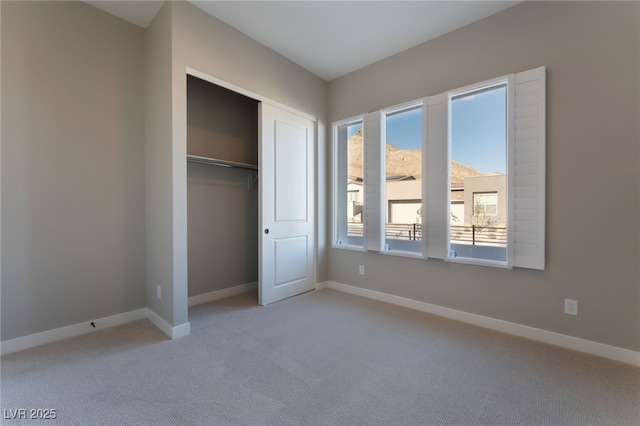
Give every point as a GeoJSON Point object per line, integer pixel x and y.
{"type": "Point", "coordinates": [220, 163]}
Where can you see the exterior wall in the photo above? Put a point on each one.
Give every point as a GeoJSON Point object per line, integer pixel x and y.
{"type": "Point", "coordinates": [73, 166]}
{"type": "Point", "coordinates": [400, 193]}
{"type": "Point", "coordinates": [398, 209]}
{"type": "Point", "coordinates": [404, 190]}
{"type": "Point", "coordinates": [592, 163]}
{"type": "Point", "coordinates": [355, 207]}
{"type": "Point", "coordinates": [457, 213]}
{"type": "Point", "coordinates": [405, 212]}
{"type": "Point", "coordinates": [492, 183]}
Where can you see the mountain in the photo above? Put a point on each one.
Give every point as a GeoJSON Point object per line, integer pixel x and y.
{"type": "Point", "coordinates": [401, 162]}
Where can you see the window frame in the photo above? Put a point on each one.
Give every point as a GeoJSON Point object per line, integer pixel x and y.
{"type": "Point", "coordinates": [396, 109]}
{"type": "Point", "coordinates": [484, 205]}
{"type": "Point", "coordinates": [525, 173]}
{"type": "Point", "coordinates": [507, 81]}
{"type": "Point", "coordinates": [339, 188]}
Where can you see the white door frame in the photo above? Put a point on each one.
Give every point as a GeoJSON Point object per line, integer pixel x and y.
{"type": "Point", "coordinates": [222, 83]}
{"type": "Point", "coordinates": [230, 86]}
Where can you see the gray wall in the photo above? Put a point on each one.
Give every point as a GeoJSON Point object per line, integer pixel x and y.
{"type": "Point", "coordinates": [94, 177]}
{"type": "Point", "coordinates": [78, 84]}
{"type": "Point", "coordinates": [73, 243]}
{"type": "Point", "coordinates": [592, 57]}
{"type": "Point", "coordinates": [159, 164]}
{"type": "Point", "coordinates": [221, 124]}
{"type": "Point", "coordinates": [223, 228]}
{"type": "Point", "coordinates": [204, 43]}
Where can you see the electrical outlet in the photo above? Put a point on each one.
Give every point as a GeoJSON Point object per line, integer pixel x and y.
{"type": "Point", "coordinates": [159, 292]}
{"type": "Point", "coordinates": [361, 269]}
{"type": "Point", "coordinates": [570, 307]}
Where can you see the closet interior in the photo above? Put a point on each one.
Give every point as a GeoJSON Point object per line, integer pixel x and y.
{"type": "Point", "coordinates": [222, 190]}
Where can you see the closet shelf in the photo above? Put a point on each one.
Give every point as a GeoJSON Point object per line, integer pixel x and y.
{"type": "Point", "coordinates": [220, 163]}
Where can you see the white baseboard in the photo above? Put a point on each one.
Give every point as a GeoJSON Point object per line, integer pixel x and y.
{"type": "Point", "coordinates": [49, 336]}
{"type": "Point", "coordinates": [55, 335]}
{"type": "Point", "coordinates": [320, 286]}
{"type": "Point", "coordinates": [221, 294]}
{"type": "Point", "coordinates": [173, 332]}
{"type": "Point", "coordinates": [544, 336]}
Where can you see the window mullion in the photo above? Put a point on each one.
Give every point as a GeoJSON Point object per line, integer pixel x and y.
{"type": "Point", "coordinates": [437, 198]}
{"type": "Point", "coordinates": [341, 187]}
{"type": "Point", "coordinates": [373, 163]}
{"type": "Point", "coordinates": [511, 179]}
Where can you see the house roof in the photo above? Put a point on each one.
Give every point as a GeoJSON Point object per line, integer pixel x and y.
{"type": "Point", "coordinates": [401, 177]}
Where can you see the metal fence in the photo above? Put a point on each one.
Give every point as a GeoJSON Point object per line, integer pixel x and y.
{"type": "Point", "coordinates": [476, 234]}
{"type": "Point", "coordinates": [460, 234]}
{"type": "Point", "coordinates": [399, 231]}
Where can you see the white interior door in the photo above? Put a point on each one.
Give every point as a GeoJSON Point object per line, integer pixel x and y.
{"type": "Point", "coordinates": [287, 265]}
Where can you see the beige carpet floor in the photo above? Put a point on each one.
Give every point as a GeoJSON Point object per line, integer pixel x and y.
{"type": "Point", "coordinates": [321, 358]}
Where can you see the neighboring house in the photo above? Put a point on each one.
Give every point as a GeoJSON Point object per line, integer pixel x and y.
{"type": "Point", "coordinates": [456, 209]}
{"type": "Point", "coordinates": [404, 199]}
{"type": "Point", "coordinates": [485, 200]}
{"type": "Point", "coordinates": [477, 200]}
{"type": "Point", "coordinates": [355, 198]}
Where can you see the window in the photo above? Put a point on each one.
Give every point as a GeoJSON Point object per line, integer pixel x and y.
{"type": "Point", "coordinates": [348, 183]}
{"type": "Point", "coordinates": [485, 204]}
{"type": "Point", "coordinates": [458, 176]}
{"type": "Point", "coordinates": [478, 150]}
{"type": "Point", "coordinates": [403, 179]}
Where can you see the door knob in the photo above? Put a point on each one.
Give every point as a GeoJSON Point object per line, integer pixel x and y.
{"type": "Point", "coordinates": [266, 231]}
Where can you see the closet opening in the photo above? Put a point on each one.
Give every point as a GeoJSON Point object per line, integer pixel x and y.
{"type": "Point", "coordinates": [222, 195]}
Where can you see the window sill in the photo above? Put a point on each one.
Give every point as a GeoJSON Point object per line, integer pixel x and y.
{"type": "Point", "coordinates": [408, 254]}
{"type": "Point", "coordinates": [347, 247]}
{"type": "Point", "coordinates": [479, 262]}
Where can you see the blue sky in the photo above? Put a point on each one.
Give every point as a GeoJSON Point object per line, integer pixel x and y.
{"type": "Point", "coordinates": [353, 129]}
{"type": "Point", "coordinates": [404, 129]}
{"type": "Point", "coordinates": [478, 130]}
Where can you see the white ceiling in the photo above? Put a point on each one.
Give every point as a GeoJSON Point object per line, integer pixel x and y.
{"type": "Point", "coordinates": [330, 38]}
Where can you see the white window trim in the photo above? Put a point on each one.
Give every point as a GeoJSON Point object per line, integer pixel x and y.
{"type": "Point", "coordinates": [478, 262]}
{"type": "Point", "coordinates": [482, 85]}
{"type": "Point", "coordinates": [506, 81]}
{"type": "Point", "coordinates": [336, 182]}
{"type": "Point", "coordinates": [416, 103]}
{"type": "Point", "coordinates": [511, 143]}
{"type": "Point", "coordinates": [348, 247]}
{"type": "Point", "coordinates": [402, 253]}
{"type": "Point", "coordinates": [526, 129]}
{"type": "Point", "coordinates": [525, 170]}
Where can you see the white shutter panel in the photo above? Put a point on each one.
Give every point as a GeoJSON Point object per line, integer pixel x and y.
{"type": "Point", "coordinates": [437, 124]}
{"type": "Point", "coordinates": [372, 181]}
{"type": "Point", "coordinates": [340, 185]}
{"type": "Point", "coordinates": [529, 173]}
